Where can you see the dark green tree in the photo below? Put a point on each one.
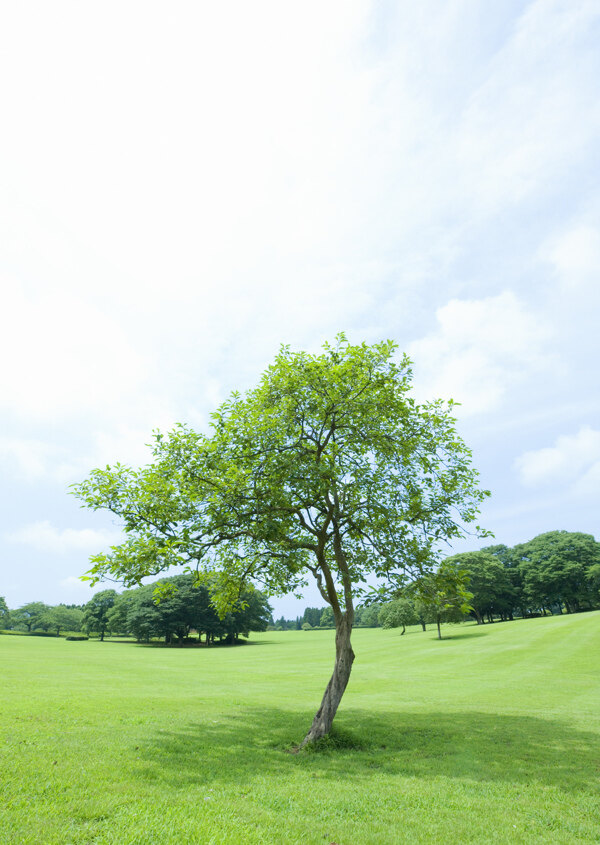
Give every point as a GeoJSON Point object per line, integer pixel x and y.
{"type": "Point", "coordinates": [5, 621]}
{"type": "Point", "coordinates": [96, 613]}
{"type": "Point", "coordinates": [312, 615]}
{"type": "Point", "coordinates": [556, 567]}
{"type": "Point", "coordinates": [328, 469]}
{"type": "Point", "coordinates": [327, 620]}
{"type": "Point", "coordinates": [488, 582]}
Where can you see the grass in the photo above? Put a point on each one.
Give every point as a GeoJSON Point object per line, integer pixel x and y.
{"type": "Point", "coordinates": [491, 736]}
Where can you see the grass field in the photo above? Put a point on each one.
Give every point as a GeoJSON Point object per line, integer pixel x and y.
{"type": "Point", "coordinates": [490, 736]}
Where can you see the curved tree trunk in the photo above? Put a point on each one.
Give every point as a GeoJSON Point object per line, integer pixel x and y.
{"type": "Point", "coordinates": [344, 657]}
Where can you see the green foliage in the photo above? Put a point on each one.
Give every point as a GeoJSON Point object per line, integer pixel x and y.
{"type": "Point", "coordinates": [555, 572]}
{"type": "Point", "coordinates": [368, 617]}
{"type": "Point", "coordinates": [312, 615]}
{"type": "Point", "coordinates": [327, 620]}
{"type": "Point", "coordinates": [398, 614]}
{"type": "Point", "coordinates": [62, 618]}
{"type": "Point", "coordinates": [488, 582]}
{"type": "Point", "coordinates": [328, 468]}
{"type": "Point", "coordinates": [557, 569]}
{"type": "Point", "coordinates": [97, 612]}
{"type": "Point", "coordinates": [5, 620]}
{"type": "Point", "coordinates": [185, 607]}
{"type": "Point", "coordinates": [443, 593]}
{"type": "Point", "coordinates": [31, 616]}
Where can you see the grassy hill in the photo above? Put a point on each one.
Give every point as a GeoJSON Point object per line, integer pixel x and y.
{"type": "Point", "coordinates": [491, 736]}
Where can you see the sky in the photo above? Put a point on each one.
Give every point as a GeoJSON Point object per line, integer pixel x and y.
{"type": "Point", "coordinates": [186, 186]}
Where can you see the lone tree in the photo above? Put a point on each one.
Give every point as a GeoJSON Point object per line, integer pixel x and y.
{"type": "Point", "coordinates": [443, 593]}
{"type": "Point", "coordinates": [327, 469]}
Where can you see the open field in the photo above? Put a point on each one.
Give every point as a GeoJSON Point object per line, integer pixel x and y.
{"type": "Point", "coordinates": [490, 736]}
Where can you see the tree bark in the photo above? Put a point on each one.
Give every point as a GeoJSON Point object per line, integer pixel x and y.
{"type": "Point", "coordinates": [439, 628]}
{"type": "Point", "coordinates": [344, 657]}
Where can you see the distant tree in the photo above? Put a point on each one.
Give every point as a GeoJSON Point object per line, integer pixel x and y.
{"type": "Point", "coordinates": [488, 582]}
{"type": "Point", "coordinates": [312, 615]}
{"type": "Point", "coordinates": [443, 593]}
{"type": "Point", "coordinates": [398, 614]}
{"type": "Point", "coordinates": [327, 620]}
{"type": "Point", "coordinates": [369, 617]}
{"type": "Point", "coordinates": [5, 621]}
{"type": "Point", "coordinates": [593, 576]}
{"type": "Point", "coordinates": [96, 613]}
{"type": "Point", "coordinates": [185, 607]}
{"type": "Point", "coordinates": [512, 600]}
{"type": "Point", "coordinates": [116, 619]}
{"type": "Point", "coordinates": [556, 568]}
{"type": "Point", "coordinates": [32, 616]}
{"type": "Point", "coordinates": [62, 618]}
{"type": "Point", "coordinates": [306, 626]}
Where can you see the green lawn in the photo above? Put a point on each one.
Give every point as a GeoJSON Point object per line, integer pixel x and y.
{"type": "Point", "coordinates": [491, 735]}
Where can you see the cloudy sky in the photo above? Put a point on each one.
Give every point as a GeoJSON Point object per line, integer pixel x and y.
{"type": "Point", "coordinates": [186, 186]}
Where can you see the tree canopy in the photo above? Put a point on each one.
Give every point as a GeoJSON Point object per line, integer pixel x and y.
{"type": "Point", "coordinates": [327, 469]}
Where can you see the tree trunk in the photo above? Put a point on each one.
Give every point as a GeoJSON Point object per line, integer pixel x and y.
{"type": "Point", "coordinates": [423, 626]}
{"type": "Point", "coordinates": [344, 657]}
{"type": "Point", "coordinates": [403, 629]}
{"type": "Point", "coordinates": [439, 627]}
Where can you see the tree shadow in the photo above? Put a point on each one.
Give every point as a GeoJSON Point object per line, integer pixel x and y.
{"type": "Point", "coordinates": [463, 635]}
{"type": "Point", "coordinates": [478, 746]}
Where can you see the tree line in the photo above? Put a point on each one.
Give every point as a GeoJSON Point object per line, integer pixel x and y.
{"type": "Point", "coordinates": [322, 617]}
{"type": "Point", "coordinates": [556, 572]}
{"type": "Point", "coordinates": [185, 613]}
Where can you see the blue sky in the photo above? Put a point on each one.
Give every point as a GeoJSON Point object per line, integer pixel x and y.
{"type": "Point", "coordinates": [183, 189]}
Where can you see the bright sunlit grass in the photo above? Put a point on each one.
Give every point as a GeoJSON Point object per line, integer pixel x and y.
{"type": "Point", "coordinates": [491, 736]}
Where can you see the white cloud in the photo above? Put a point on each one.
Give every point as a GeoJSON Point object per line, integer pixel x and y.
{"type": "Point", "coordinates": [43, 536]}
{"type": "Point", "coordinates": [29, 457]}
{"type": "Point", "coordinates": [575, 257]}
{"type": "Point", "coordinates": [479, 350]}
{"type": "Point", "coordinates": [75, 591]}
{"type": "Point", "coordinates": [523, 127]}
{"type": "Point", "coordinates": [63, 355]}
{"type": "Point", "coordinates": [573, 460]}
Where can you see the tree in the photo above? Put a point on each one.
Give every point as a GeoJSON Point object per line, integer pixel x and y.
{"type": "Point", "coordinates": [556, 568]}
{"type": "Point", "coordinates": [369, 616]}
{"type": "Point", "coordinates": [398, 613]}
{"type": "Point", "coordinates": [96, 613]}
{"type": "Point", "coordinates": [32, 616]}
{"type": "Point", "coordinates": [4, 614]}
{"type": "Point", "coordinates": [62, 618]}
{"type": "Point", "coordinates": [443, 593]}
{"type": "Point", "coordinates": [327, 469]}
{"type": "Point", "coordinates": [327, 620]}
{"type": "Point", "coordinates": [312, 615]}
{"type": "Point", "coordinates": [488, 582]}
